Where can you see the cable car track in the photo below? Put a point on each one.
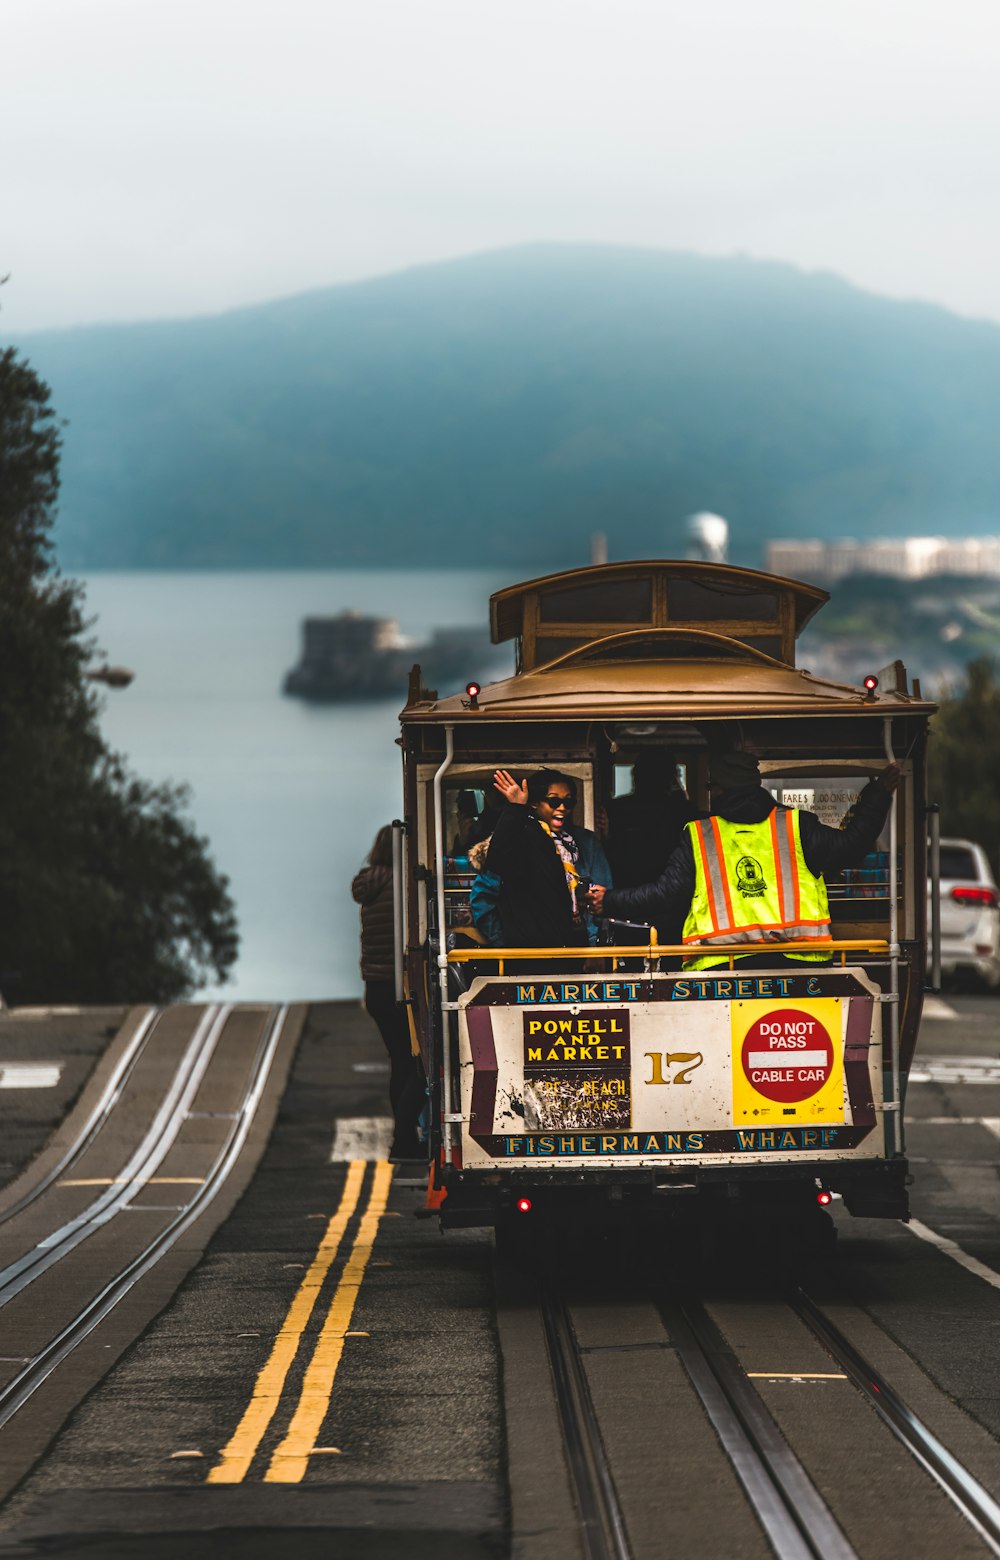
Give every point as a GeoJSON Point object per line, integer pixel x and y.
{"type": "Point", "coordinates": [795, 1517]}
{"type": "Point", "coordinates": [26, 1382]}
{"type": "Point", "coordinates": [975, 1503]}
{"type": "Point", "coordinates": [602, 1525]}
{"type": "Point", "coordinates": [798, 1522]}
{"type": "Point", "coordinates": [141, 1165]}
{"type": "Point", "coordinates": [109, 1097]}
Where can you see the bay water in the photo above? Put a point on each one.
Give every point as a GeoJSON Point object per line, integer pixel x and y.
{"type": "Point", "coordinates": [289, 795]}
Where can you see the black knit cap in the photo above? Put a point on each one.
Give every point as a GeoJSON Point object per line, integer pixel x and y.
{"type": "Point", "coordinates": [729, 770]}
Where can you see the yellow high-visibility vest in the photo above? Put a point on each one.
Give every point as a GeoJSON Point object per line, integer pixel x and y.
{"type": "Point", "coordinates": [752, 886]}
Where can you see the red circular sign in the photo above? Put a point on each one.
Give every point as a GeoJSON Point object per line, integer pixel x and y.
{"type": "Point", "coordinates": [787, 1055]}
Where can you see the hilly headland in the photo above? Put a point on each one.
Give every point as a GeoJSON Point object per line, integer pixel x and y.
{"type": "Point", "coordinates": [498, 410]}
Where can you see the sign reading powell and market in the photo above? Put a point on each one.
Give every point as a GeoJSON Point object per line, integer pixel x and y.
{"type": "Point", "coordinates": [577, 1069]}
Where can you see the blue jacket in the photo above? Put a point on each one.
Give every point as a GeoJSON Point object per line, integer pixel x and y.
{"type": "Point", "coordinates": [485, 893]}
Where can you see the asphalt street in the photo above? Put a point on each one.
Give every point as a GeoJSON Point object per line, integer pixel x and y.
{"type": "Point", "coordinates": [242, 1417]}
{"type": "Point", "coordinates": [411, 1446]}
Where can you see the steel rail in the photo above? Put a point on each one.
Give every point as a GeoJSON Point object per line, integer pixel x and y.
{"type": "Point", "coordinates": [797, 1521]}
{"type": "Point", "coordinates": [447, 1114]}
{"type": "Point", "coordinates": [109, 1098]}
{"type": "Point", "coordinates": [975, 1502]}
{"type": "Point", "coordinates": [601, 1522]}
{"type": "Point", "coordinates": [17, 1391]}
{"type": "Point", "coordinates": [144, 1161]}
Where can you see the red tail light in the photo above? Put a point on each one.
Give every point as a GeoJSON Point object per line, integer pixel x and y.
{"type": "Point", "coordinates": [976, 896]}
{"type": "Point", "coordinates": [524, 1205]}
{"type": "Point", "coordinates": [824, 1199]}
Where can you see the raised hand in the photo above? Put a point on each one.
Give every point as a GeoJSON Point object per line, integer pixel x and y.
{"type": "Point", "coordinates": [889, 778]}
{"type": "Point", "coordinates": [509, 788]}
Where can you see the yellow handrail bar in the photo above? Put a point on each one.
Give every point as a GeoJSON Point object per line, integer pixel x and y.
{"type": "Point", "coordinates": [657, 950]}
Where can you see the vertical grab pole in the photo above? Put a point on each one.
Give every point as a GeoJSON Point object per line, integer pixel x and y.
{"type": "Point", "coordinates": [896, 1102]}
{"type": "Point", "coordinates": [442, 959]}
{"type": "Point", "coordinates": [934, 822]}
{"type": "Point", "coordinates": [397, 906]}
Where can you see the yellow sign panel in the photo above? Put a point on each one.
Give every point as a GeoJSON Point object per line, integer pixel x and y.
{"type": "Point", "coordinates": [788, 1061]}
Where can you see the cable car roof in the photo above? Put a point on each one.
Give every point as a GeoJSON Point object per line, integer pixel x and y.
{"type": "Point", "coordinates": [668, 674]}
{"type": "Point", "coordinates": [579, 605]}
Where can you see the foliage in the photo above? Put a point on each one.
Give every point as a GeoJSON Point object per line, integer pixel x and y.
{"type": "Point", "coordinates": [106, 893]}
{"type": "Point", "coordinates": [964, 758]}
{"type": "Point", "coordinates": [937, 625]}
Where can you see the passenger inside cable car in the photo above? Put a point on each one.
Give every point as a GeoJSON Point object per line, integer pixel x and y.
{"type": "Point", "coordinates": [545, 863]}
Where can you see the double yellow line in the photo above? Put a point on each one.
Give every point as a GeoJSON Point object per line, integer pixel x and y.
{"type": "Point", "coordinates": [291, 1457]}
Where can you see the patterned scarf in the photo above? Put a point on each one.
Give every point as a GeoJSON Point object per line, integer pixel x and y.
{"type": "Point", "coordinates": [568, 852]}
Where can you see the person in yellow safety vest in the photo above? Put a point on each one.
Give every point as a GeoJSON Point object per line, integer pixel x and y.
{"type": "Point", "coordinates": [753, 871]}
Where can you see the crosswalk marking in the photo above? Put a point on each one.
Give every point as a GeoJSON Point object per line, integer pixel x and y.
{"type": "Point", "coordinates": [991, 1123]}
{"type": "Point", "coordinates": [361, 1137]}
{"type": "Point", "coordinates": [30, 1075]}
{"type": "Point", "coordinates": [956, 1069]}
{"type": "Point", "coordinates": [937, 1008]}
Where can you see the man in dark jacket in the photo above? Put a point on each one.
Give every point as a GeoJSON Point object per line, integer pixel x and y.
{"type": "Point", "coordinates": [739, 799]}
{"type": "Point", "coordinates": [372, 890]}
{"type": "Point", "coordinates": [645, 826]}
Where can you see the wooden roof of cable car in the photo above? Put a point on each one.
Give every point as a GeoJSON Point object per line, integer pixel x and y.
{"type": "Point", "coordinates": [507, 606]}
{"type": "Point", "coordinates": [654, 670]}
{"type": "Point", "coordinates": [711, 676]}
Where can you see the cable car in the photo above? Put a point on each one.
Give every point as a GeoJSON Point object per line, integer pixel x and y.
{"type": "Point", "coordinates": [613, 1080]}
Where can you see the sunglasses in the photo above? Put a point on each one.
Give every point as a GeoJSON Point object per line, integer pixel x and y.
{"type": "Point", "coordinates": [558, 801]}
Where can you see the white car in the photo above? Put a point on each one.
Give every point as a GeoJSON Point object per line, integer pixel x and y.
{"type": "Point", "coordinates": [970, 914]}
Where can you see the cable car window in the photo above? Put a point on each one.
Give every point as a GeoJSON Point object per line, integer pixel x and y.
{"type": "Point", "coordinates": [466, 820]}
{"type": "Point", "coordinates": [613, 601]}
{"type": "Point", "coordinates": [767, 644]}
{"type": "Point", "coordinates": [680, 648]}
{"type": "Point", "coordinates": [547, 647]}
{"type": "Point", "coordinates": [688, 601]}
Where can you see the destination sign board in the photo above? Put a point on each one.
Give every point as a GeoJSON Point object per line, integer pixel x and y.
{"type": "Point", "coordinates": [659, 1071]}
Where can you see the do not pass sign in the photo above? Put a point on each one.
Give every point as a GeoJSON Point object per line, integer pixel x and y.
{"type": "Point", "coordinates": [787, 1055]}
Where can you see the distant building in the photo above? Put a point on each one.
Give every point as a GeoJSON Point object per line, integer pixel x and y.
{"type": "Point", "coordinates": [905, 557]}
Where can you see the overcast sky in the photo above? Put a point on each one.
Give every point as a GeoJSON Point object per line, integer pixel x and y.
{"type": "Point", "coordinates": [184, 158]}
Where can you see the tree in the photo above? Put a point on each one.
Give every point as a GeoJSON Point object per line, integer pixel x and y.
{"type": "Point", "coordinates": [964, 758]}
{"type": "Point", "coordinates": [106, 892]}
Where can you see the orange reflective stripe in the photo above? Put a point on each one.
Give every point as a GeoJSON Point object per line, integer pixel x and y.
{"type": "Point", "coordinates": [794, 855]}
{"type": "Point", "coordinates": [707, 874]}
{"type": "Point", "coordinates": [753, 932]}
{"type": "Point", "coordinates": [778, 866]}
{"type": "Point", "coordinates": [720, 856]}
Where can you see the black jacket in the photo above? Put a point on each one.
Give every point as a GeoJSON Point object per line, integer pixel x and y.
{"type": "Point", "coordinates": [643, 833]}
{"type": "Point", "coordinates": [825, 850]}
{"type": "Point", "coordinates": [372, 890]}
{"type": "Point", "coordinates": [535, 906]}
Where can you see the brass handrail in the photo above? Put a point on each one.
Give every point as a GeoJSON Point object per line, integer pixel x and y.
{"type": "Point", "coordinates": [657, 950]}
